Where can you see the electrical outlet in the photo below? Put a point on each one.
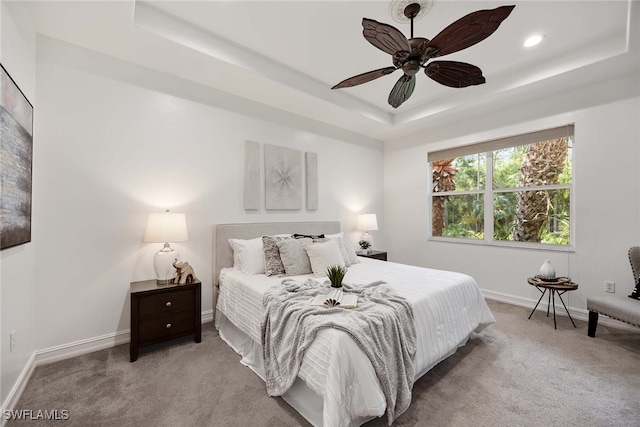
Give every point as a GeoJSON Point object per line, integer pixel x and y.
{"type": "Point", "coordinates": [610, 287]}
{"type": "Point", "coordinates": [12, 340]}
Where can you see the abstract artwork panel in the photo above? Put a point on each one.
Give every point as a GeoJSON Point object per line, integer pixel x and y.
{"type": "Point", "coordinates": [311, 169]}
{"type": "Point", "coordinates": [251, 175]}
{"type": "Point", "coordinates": [16, 155]}
{"type": "Point", "coordinates": [283, 177]}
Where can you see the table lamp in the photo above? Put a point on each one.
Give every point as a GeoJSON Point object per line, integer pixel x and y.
{"type": "Point", "coordinates": [366, 223]}
{"type": "Point", "coordinates": [166, 228]}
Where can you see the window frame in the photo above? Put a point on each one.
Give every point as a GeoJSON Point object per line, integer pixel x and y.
{"type": "Point", "coordinates": [489, 192]}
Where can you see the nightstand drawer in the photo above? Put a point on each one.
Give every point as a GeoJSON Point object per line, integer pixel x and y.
{"type": "Point", "coordinates": [164, 327]}
{"type": "Point", "coordinates": [165, 303]}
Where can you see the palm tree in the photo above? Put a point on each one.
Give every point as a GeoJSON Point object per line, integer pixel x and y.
{"type": "Point", "coordinates": [543, 165]}
{"type": "Point", "coordinates": [443, 180]}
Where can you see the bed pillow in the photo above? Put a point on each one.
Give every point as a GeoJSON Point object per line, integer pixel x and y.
{"type": "Point", "coordinates": [272, 261]}
{"type": "Point", "coordinates": [294, 257]}
{"type": "Point", "coordinates": [248, 255]}
{"type": "Point", "coordinates": [348, 251]}
{"type": "Point", "coordinates": [308, 236]}
{"type": "Point", "coordinates": [323, 255]}
{"type": "Point", "coordinates": [331, 236]}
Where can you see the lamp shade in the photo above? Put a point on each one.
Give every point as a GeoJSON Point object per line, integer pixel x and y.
{"type": "Point", "coordinates": [367, 222]}
{"type": "Point", "coordinates": [166, 227]}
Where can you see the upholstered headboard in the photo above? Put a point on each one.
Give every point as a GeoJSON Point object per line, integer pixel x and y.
{"type": "Point", "coordinates": [223, 254]}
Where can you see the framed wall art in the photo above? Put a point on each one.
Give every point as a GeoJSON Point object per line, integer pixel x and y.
{"type": "Point", "coordinates": [16, 157]}
{"type": "Point", "coordinates": [283, 177]}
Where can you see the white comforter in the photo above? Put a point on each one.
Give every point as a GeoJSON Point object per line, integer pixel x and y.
{"type": "Point", "coordinates": [447, 307]}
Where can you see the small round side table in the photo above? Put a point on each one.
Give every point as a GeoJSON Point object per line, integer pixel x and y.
{"type": "Point", "coordinates": [559, 286]}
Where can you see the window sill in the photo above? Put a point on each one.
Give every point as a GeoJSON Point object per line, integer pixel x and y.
{"type": "Point", "coordinates": [511, 245]}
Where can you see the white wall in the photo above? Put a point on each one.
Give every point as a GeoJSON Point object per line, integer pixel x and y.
{"type": "Point", "coordinates": [606, 185]}
{"type": "Point", "coordinates": [111, 150]}
{"type": "Point", "coordinates": [17, 264]}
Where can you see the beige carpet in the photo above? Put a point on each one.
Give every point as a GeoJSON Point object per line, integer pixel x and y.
{"type": "Point", "coordinates": [517, 372]}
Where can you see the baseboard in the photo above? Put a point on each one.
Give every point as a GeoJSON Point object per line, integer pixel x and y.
{"type": "Point", "coordinates": [67, 351]}
{"type": "Point", "coordinates": [16, 391]}
{"type": "Point", "coordinates": [77, 348]}
{"type": "Point", "coordinates": [207, 316]}
{"type": "Point", "coordinates": [576, 313]}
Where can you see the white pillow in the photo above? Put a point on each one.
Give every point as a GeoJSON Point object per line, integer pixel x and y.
{"type": "Point", "coordinates": [323, 255]}
{"type": "Point", "coordinates": [248, 255]}
{"type": "Point", "coordinates": [331, 236]}
{"type": "Point", "coordinates": [348, 251]}
{"type": "Point", "coordinates": [345, 244]}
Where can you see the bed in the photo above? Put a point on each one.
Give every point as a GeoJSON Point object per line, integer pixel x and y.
{"type": "Point", "coordinates": [336, 383]}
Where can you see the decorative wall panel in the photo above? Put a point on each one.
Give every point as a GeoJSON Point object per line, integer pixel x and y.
{"type": "Point", "coordinates": [283, 177]}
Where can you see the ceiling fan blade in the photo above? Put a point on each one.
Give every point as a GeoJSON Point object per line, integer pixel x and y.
{"type": "Point", "coordinates": [469, 30]}
{"type": "Point", "coordinates": [402, 90]}
{"type": "Point", "coordinates": [454, 74]}
{"type": "Point", "coordinates": [385, 37]}
{"type": "Point", "coordinates": [364, 77]}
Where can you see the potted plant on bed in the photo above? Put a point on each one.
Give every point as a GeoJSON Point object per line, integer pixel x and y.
{"type": "Point", "coordinates": [336, 274]}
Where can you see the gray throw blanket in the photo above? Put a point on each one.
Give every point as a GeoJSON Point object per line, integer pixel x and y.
{"type": "Point", "coordinates": [381, 325]}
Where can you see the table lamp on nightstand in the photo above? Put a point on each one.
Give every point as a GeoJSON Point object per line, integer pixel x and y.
{"type": "Point", "coordinates": [166, 228]}
{"type": "Point", "coordinates": [366, 223]}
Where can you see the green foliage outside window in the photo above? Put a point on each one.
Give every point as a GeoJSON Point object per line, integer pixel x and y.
{"type": "Point", "coordinates": [464, 216]}
{"type": "Point", "coordinates": [530, 190]}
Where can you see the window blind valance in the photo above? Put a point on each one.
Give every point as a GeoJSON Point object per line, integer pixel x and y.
{"type": "Point", "coordinates": [497, 144]}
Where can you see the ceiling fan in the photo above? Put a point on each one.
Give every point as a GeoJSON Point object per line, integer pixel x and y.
{"type": "Point", "coordinates": [414, 53]}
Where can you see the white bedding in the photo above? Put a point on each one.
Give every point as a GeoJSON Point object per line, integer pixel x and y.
{"type": "Point", "coordinates": [447, 306]}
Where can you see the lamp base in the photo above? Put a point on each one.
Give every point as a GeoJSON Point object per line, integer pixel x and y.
{"type": "Point", "coordinates": [163, 264]}
{"type": "Point", "coordinates": [367, 237]}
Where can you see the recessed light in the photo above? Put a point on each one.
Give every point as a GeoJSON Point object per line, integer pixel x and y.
{"type": "Point", "coordinates": [533, 40]}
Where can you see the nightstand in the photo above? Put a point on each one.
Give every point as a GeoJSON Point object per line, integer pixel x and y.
{"type": "Point", "coordinates": [374, 254]}
{"type": "Point", "coordinates": [163, 312]}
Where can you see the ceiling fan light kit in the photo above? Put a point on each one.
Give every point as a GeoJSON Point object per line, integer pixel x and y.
{"type": "Point", "coordinates": [412, 54]}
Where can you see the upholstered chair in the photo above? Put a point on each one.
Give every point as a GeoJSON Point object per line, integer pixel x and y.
{"type": "Point", "coordinates": [624, 309]}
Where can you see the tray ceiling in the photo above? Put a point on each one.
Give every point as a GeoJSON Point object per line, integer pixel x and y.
{"type": "Point", "coordinates": [288, 54]}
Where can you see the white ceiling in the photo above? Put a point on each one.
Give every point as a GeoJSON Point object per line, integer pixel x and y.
{"type": "Point", "coordinates": [288, 54]}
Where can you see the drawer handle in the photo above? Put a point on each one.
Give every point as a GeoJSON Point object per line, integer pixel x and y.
{"type": "Point", "coordinates": [168, 325]}
{"type": "Point", "coordinates": [168, 304]}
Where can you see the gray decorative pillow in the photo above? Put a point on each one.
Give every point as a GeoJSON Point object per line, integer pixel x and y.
{"type": "Point", "coordinates": [272, 262]}
{"type": "Point", "coordinates": [294, 257]}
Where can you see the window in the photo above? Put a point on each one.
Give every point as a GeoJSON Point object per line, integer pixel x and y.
{"type": "Point", "coordinates": [514, 190]}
